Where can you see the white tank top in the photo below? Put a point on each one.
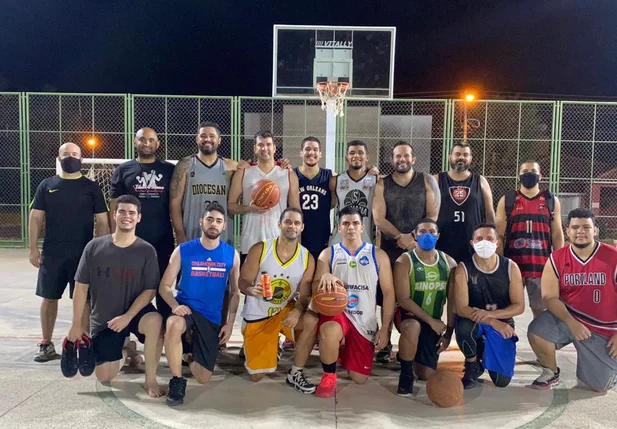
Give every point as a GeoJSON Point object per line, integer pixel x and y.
{"type": "Point", "coordinates": [285, 279]}
{"type": "Point", "coordinates": [360, 274]}
{"type": "Point", "coordinates": [258, 227]}
{"type": "Point", "coordinates": [356, 194]}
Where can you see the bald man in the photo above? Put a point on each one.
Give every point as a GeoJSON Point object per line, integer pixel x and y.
{"type": "Point", "coordinates": [148, 179]}
{"type": "Point", "coordinates": [68, 205]}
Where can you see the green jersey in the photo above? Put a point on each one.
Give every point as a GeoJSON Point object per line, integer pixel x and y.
{"type": "Point", "coordinates": [428, 283]}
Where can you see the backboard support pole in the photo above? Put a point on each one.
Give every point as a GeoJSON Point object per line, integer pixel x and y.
{"type": "Point", "coordinates": [331, 138]}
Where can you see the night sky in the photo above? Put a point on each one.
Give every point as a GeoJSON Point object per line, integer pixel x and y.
{"type": "Point", "coordinates": [201, 47]}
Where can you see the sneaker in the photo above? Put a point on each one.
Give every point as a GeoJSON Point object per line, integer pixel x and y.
{"type": "Point", "coordinates": [86, 357]}
{"type": "Point", "coordinates": [279, 354]}
{"type": "Point", "coordinates": [316, 345]}
{"type": "Point", "coordinates": [177, 390]}
{"type": "Point", "coordinates": [68, 363]}
{"type": "Point", "coordinates": [299, 382]}
{"type": "Point", "coordinates": [405, 385]}
{"type": "Point", "coordinates": [547, 379]}
{"type": "Point", "coordinates": [473, 370]}
{"type": "Point", "coordinates": [241, 353]}
{"type": "Point", "coordinates": [327, 386]}
{"type": "Point", "coordinates": [288, 345]}
{"type": "Point", "coordinates": [47, 352]}
{"type": "Point", "coordinates": [383, 355]}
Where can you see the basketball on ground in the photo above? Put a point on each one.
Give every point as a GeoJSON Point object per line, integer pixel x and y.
{"type": "Point", "coordinates": [445, 389]}
{"type": "Point", "coordinates": [331, 303]}
{"type": "Point", "coordinates": [265, 194]}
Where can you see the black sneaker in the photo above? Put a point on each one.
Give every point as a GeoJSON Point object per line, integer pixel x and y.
{"type": "Point", "coordinates": [47, 352]}
{"type": "Point", "coordinates": [473, 370]}
{"type": "Point", "coordinates": [86, 356]}
{"type": "Point", "coordinates": [299, 382]}
{"type": "Point", "coordinates": [68, 362]}
{"type": "Point", "coordinates": [547, 379]}
{"type": "Point", "coordinates": [405, 385]}
{"type": "Point", "coordinates": [383, 355]}
{"type": "Point", "coordinates": [177, 390]}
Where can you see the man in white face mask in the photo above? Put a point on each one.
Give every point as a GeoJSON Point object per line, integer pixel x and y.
{"type": "Point", "coordinates": [488, 294]}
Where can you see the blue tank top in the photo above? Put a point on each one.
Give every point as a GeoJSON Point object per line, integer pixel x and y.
{"type": "Point", "coordinates": [204, 277]}
{"type": "Point", "coordinates": [315, 199]}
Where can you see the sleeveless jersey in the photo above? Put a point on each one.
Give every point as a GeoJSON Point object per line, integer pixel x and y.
{"type": "Point", "coordinates": [589, 288]}
{"type": "Point", "coordinates": [528, 234]}
{"type": "Point", "coordinates": [428, 284]}
{"type": "Point", "coordinates": [257, 227]}
{"type": "Point", "coordinates": [285, 279]}
{"type": "Point", "coordinates": [315, 202]}
{"type": "Point", "coordinates": [204, 275]}
{"type": "Point", "coordinates": [462, 208]}
{"type": "Point", "coordinates": [205, 184]}
{"type": "Point", "coordinates": [489, 290]}
{"type": "Point", "coordinates": [357, 194]}
{"type": "Point", "coordinates": [360, 273]}
{"type": "Point", "coordinates": [405, 206]}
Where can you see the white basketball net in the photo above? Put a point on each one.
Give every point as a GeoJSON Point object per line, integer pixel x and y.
{"type": "Point", "coordinates": [332, 95]}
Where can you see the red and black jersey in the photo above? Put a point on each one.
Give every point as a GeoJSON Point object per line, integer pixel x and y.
{"type": "Point", "coordinates": [589, 288]}
{"type": "Point", "coordinates": [528, 234]}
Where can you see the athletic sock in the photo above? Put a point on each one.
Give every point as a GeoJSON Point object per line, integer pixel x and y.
{"type": "Point", "coordinates": [329, 367]}
{"type": "Point", "coordinates": [406, 367]}
{"type": "Point", "coordinates": [295, 369]}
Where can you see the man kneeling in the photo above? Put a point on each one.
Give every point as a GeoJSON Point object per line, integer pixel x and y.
{"type": "Point", "coordinates": [290, 268]}
{"type": "Point", "coordinates": [121, 272]}
{"type": "Point", "coordinates": [206, 264]}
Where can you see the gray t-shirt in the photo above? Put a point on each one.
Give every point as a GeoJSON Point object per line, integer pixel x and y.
{"type": "Point", "coordinates": [116, 276]}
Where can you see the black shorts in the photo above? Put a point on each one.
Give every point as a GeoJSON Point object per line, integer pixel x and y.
{"type": "Point", "coordinates": [108, 344]}
{"type": "Point", "coordinates": [55, 273]}
{"type": "Point", "coordinates": [242, 258]}
{"type": "Point", "coordinates": [426, 354]}
{"type": "Point", "coordinates": [204, 343]}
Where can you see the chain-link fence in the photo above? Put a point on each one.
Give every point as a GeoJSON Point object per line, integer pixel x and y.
{"type": "Point", "coordinates": [573, 142]}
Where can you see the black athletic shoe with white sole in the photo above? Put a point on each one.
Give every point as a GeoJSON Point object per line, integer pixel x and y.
{"type": "Point", "coordinates": [177, 390]}
{"type": "Point", "coordinates": [68, 362]}
{"type": "Point", "coordinates": [299, 382]}
{"type": "Point", "coordinates": [86, 356]}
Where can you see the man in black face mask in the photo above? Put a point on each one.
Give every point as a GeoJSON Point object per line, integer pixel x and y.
{"type": "Point", "coordinates": [529, 225]}
{"type": "Point", "coordinates": [68, 204]}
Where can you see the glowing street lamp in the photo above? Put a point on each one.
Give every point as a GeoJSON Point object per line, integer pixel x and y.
{"type": "Point", "coordinates": [469, 98]}
{"type": "Point", "coordinates": [92, 144]}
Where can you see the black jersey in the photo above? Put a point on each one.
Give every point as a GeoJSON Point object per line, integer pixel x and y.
{"type": "Point", "coordinates": [462, 208]}
{"type": "Point", "coordinates": [489, 291]}
{"type": "Point", "coordinates": [315, 200]}
{"type": "Point", "coordinates": [405, 207]}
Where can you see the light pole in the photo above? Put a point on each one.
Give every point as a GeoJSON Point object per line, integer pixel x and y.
{"type": "Point", "coordinates": [92, 144]}
{"type": "Point", "coordinates": [469, 98]}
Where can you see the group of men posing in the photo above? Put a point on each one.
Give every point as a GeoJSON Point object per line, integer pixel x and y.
{"type": "Point", "coordinates": [412, 243]}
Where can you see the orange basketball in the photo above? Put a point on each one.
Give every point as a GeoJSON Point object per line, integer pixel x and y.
{"type": "Point", "coordinates": [445, 389]}
{"type": "Point", "coordinates": [331, 303]}
{"type": "Point", "coordinates": [265, 194]}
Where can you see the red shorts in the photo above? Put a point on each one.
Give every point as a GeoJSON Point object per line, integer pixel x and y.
{"type": "Point", "coordinates": [357, 355]}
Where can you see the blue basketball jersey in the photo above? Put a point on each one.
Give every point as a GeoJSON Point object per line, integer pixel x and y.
{"type": "Point", "coordinates": [315, 198]}
{"type": "Point", "coordinates": [204, 277]}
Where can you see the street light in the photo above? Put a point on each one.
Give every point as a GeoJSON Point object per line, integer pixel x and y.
{"type": "Point", "coordinates": [469, 98]}
{"type": "Point", "coordinates": [92, 144]}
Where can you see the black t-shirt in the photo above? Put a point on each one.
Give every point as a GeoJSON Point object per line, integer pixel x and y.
{"type": "Point", "coordinates": [150, 183]}
{"type": "Point", "coordinates": [69, 206]}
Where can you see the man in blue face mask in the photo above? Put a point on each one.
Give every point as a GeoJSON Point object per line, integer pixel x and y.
{"type": "Point", "coordinates": [422, 283]}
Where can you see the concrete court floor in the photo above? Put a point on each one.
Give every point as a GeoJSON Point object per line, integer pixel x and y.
{"type": "Point", "coordinates": [35, 395]}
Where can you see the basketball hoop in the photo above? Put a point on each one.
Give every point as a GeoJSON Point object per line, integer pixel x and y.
{"type": "Point", "coordinates": [332, 95]}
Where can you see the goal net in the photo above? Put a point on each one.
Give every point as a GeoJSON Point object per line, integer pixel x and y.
{"type": "Point", "coordinates": [100, 170]}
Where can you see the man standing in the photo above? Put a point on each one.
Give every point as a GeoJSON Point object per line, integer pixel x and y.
{"type": "Point", "coordinates": [121, 273]}
{"type": "Point", "coordinates": [261, 224]}
{"type": "Point", "coordinates": [363, 268]}
{"type": "Point", "coordinates": [488, 294]}
{"type": "Point", "coordinates": [290, 267]}
{"type": "Point", "coordinates": [199, 180]}
{"type": "Point", "coordinates": [316, 198]}
{"type": "Point", "coordinates": [147, 178]}
{"type": "Point", "coordinates": [206, 265]}
{"type": "Point", "coordinates": [355, 188]}
{"type": "Point", "coordinates": [423, 285]}
{"type": "Point", "coordinates": [529, 224]}
{"type": "Point", "coordinates": [579, 287]}
{"type": "Point", "coordinates": [68, 204]}
{"type": "Point", "coordinates": [401, 200]}
{"type": "Point", "coordinates": [467, 201]}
